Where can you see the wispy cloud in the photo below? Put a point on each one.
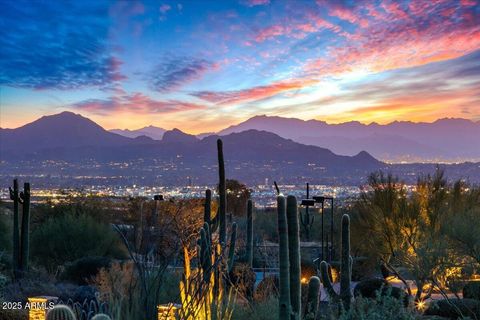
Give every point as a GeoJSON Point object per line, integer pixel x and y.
{"type": "Point", "coordinates": [136, 103]}
{"type": "Point", "coordinates": [253, 3]}
{"type": "Point", "coordinates": [43, 47]}
{"type": "Point", "coordinates": [176, 72]}
{"type": "Point", "coordinates": [250, 94]}
{"type": "Point", "coordinates": [410, 38]}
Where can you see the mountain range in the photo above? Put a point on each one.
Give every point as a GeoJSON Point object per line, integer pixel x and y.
{"type": "Point", "coordinates": [252, 155]}
{"type": "Point", "coordinates": [150, 131]}
{"type": "Point", "coordinates": [445, 140]}
{"type": "Point", "coordinates": [449, 139]}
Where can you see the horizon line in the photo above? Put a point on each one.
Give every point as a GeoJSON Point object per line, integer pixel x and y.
{"type": "Point", "coordinates": [255, 116]}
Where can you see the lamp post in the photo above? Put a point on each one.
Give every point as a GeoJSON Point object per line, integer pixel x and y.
{"type": "Point", "coordinates": [321, 199]}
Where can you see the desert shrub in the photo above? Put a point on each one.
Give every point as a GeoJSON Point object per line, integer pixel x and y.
{"type": "Point", "coordinates": [368, 288]}
{"type": "Point", "coordinates": [382, 307]}
{"type": "Point", "coordinates": [243, 278]}
{"type": "Point", "coordinates": [472, 290]}
{"type": "Point", "coordinates": [266, 310]}
{"type": "Point", "coordinates": [170, 291]}
{"type": "Point", "coordinates": [21, 290]}
{"type": "Point", "coordinates": [5, 239]}
{"type": "Point", "coordinates": [8, 314]}
{"type": "Point", "coordinates": [67, 238]}
{"type": "Point", "coordinates": [455, 308]}
{"type": "Point", "coordinates": [267, 288]}
{"type": "Point", "coordinates": [84, 269]}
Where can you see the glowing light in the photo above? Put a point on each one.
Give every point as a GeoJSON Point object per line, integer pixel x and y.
{"type": "Point", "coordinates": [167, 311]}
{"type": "Point", "coordinates": [421, 305]}
{"type": "Point", "coordinates": [304, 280]}
{"type": "Point", "coordinates": [38, 307]}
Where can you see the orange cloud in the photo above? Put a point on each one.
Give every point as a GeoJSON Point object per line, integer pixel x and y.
{"type": "Point", "coordinates": [252, 94]}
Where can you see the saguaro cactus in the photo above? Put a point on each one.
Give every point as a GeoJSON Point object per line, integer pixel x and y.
{"type": "Point", "coordinates": [249, 250]}
{"type": "Point", "coordinates": [222, 194]}
{"type": "Point", "coordinates": [207, 214]}
{"type": "Point", "coordinates": [101, 316]}
{"type": "Point", "coordinates": [294, 256]}
{"type": "Point", "coordinates": [25, 238]}
{"type": "Point", "coordinates": [284, 299]}
{"type": "Point", "coordinates": [345, 268]}
{"type": "Point", "coordinates": [313, 298]}
{"type": "Point", "coordinates": [61, 312]}
{"type": "Point", "coordinates": [14, 196]}
{"type": "Point", "coordinates": [20, 234]}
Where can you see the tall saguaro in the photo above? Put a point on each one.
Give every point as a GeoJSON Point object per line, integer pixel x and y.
{"type": "Point", "coordinates": [222, 194]}
{"type": "Point", "coordinates": [21, 237]}
{"type": "Point", "coordinates": [16, 236]}
{"type": "Point", "coordinates": [25, 244]}
{"type": "Point", "coordinates": [294, 256]}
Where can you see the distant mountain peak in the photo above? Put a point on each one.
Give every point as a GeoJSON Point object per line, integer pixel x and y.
{"type": "Point", "coordinates": [177, 136]}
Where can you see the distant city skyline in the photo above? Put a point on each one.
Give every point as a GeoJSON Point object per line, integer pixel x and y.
{"type": "Point", "coordinates": [202, 66]}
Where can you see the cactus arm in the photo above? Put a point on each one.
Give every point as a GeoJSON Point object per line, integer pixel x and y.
{"type": "Point", "coordinates": [222, 193]}
{"type": "Point", "coordinates": [249, 251]}
{"type": "Point", "coordinates": [231, 249]}
{"type": "Point", "coordinates": [327, 283]}
{"type": "Point", "coordinates": [284, 297]}
{"type": "Point", "coordinates": [313, 297]}
{"type": "Point", "coordinates": [277, 189]}
{"type": "Point", "coordinates": [205, 254]}
{"type": "Point", "coordinates": [207, 214]}
{"type": "Point", "coordinates": [294, 255]}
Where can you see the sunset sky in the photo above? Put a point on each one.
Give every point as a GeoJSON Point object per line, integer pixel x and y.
{"type": "Point", "coordinates": [203, 65]}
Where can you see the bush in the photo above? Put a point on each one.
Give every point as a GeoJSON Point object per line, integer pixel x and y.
{"type": "Point", "coordinates": [368, 288]}
{"type": "Point", "coordinates": [84, 269]}
{"type": "Point", "coordinates": [455, 308]}
{"type": "Point", "coordinates": [5, 232]}
{"type": "Point", "coordinates": [267, 288]}
{"type": "Point", "coordinates": [472, 290]}
{"type": "Point", "coordinates": [243, 278]}
{"type": "Point", "coordinates": [68, 238]}
{"type": "Point", "coordinates": [258, 311]}
{"type": "Point", "coordinates": [8, 314]}
{"type": "Point", "coordinates": [170, 290]}
{"type": "Point", "coordinates": [382, 307]}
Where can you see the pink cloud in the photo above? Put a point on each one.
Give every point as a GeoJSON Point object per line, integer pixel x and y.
{"type": "Point", "coordinates": [253, 3]}
{"type": "Point", "coordinates": [394, 10]}
{"type": "Point", "coordinates": [252, 94]}
{"type": "Point", "coordinates": [428, 35]}
{"type": "Point", "coordinates": [164, 8]}
{"type": "Point", "coordinates": [298, 30]}
{"type": "Point", "coordinates": [270, 32]}
{"type": "Point", "coordinates": [348, 15]}
{"type": "Point", "coordinates": [138, 103]}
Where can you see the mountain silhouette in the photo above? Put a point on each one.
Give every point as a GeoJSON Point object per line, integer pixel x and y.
{"type": "Point", "coordinates": [65, 129]}
{"type": "Point", "coordinates": [153, 132]}
{"type": "Point", "coordinates": [73, 138]}
{"type": "Point", "coordinates": [448, 139]}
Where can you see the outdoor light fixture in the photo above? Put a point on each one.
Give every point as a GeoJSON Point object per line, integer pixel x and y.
{"type": "Point", "coordinates": [38, 307]}
{"type": "Point", "coordinates": [307, 202]}
{"type": "Point", "coordinates": [167, 311]}
{"type": "Point", "coordinates": [311, 203]}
